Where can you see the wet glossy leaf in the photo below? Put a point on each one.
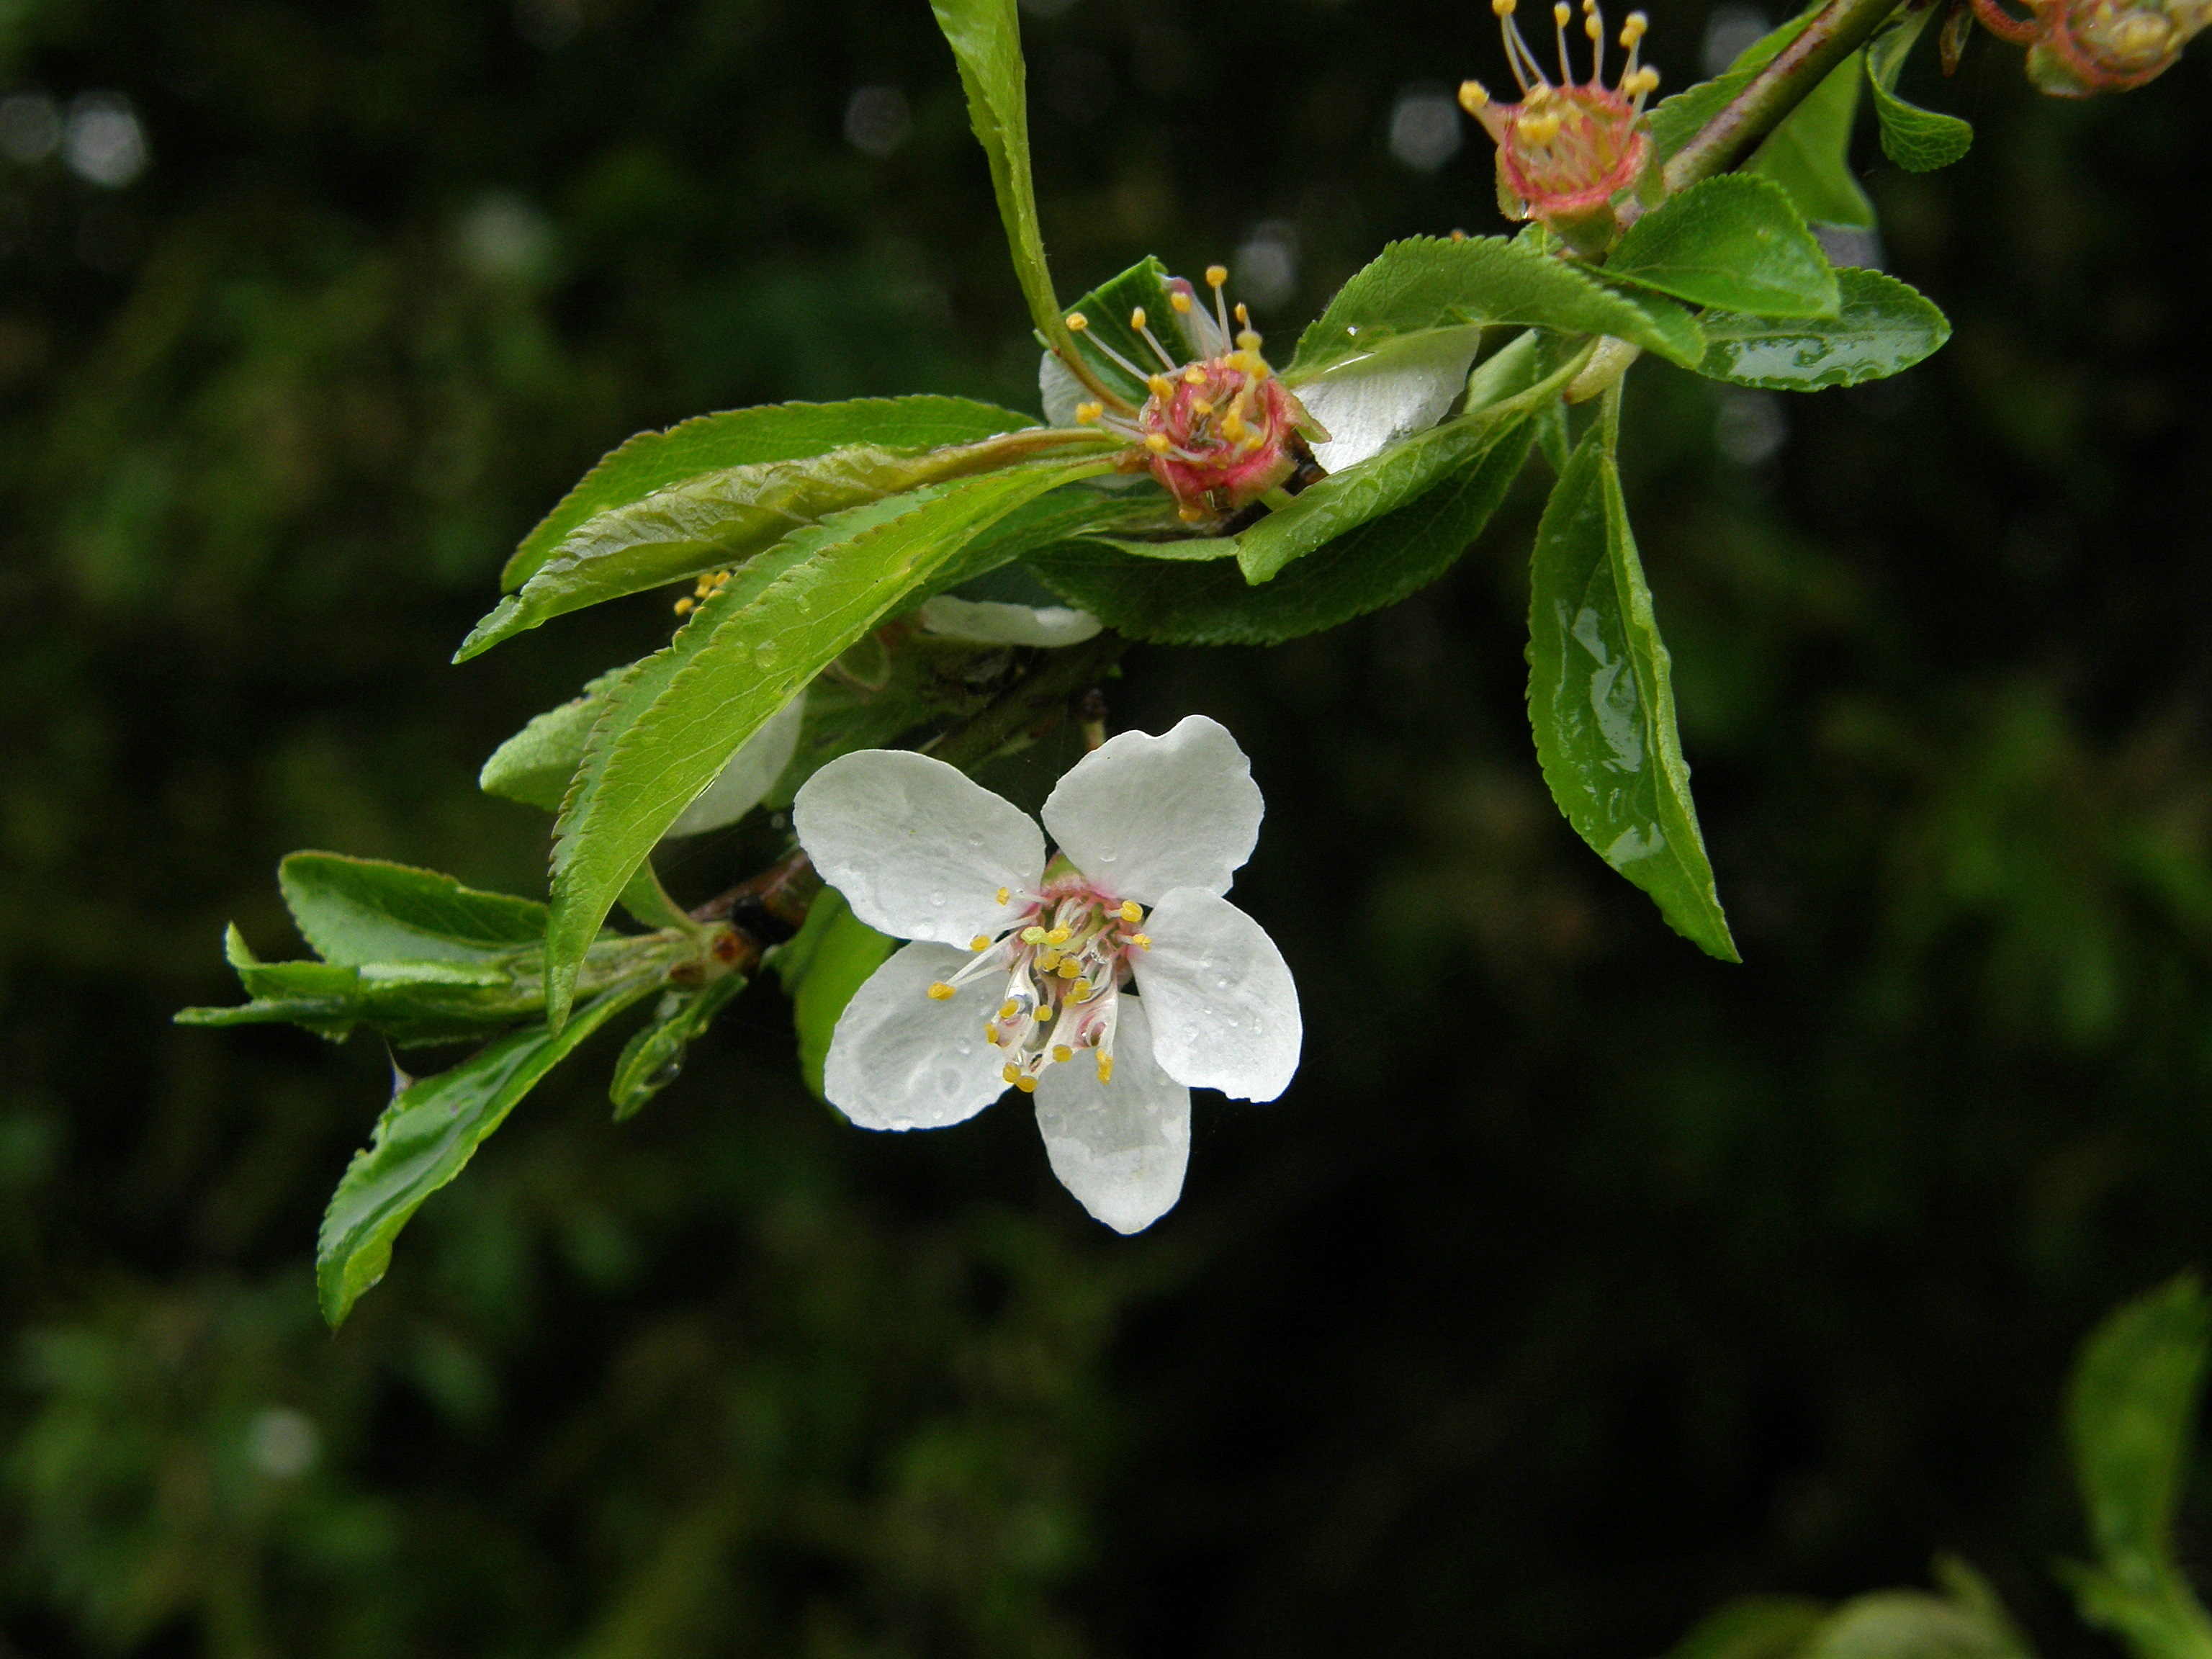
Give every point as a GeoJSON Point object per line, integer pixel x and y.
{"type": "Point", "coordinates": [712, 521]}
{"type": "Point", "coordinates": [1601, 701]}
{"type": "Point", "coordinates": [365, 910]}
{"type": "Point", "coordinates": [651, 461]}
{"type": "Point", "coordinates": [1884, 327]}
{"type": "Point", "coordinates": [535, 764]}
{"type": "Point", "coordinates": [1210, 604]}
{"type": "Point", "coordinates": [1918, 140]}
{"type": "Point", "coordinates": [821, 966]}
{"type": "Point", "coordinates": [672, 726]}
{"type": "Point", "coordinates": [654, 1054]}
{"type": "Point", "coordinates": [1810, 153]}
{"type": "Point", "coordinates": [1429, 283]}
{"type": "Point", "coordinates": [1736, 243]}
{"type": "Point", "coordinates": [425, 1138]}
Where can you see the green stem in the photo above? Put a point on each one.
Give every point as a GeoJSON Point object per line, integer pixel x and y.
{"type": "Point", "coordinates": [1840, 29]}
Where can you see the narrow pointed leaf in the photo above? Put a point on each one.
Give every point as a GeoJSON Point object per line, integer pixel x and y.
{"type": "Point", "coordinates": [425, 1138]}
{"type": "Point", "coordinates": [365, 910]}
{"type": "Point", "coordinates": [652, 1058]}
{"type": "Point", "coordinates": [651, 461]}
{"type": "Point", "coordinates": [715, 520]}
{"type": "Point", "coordinates": [1431, 282]}
{"type": "Point", "coordinates": [1735, 242]}
{"type": "Point", "coordinates": [1378, 564]}
{"type": "Point", "coordinates": [2132, 1415]}
{"type": "Point", "coordinates": [1918, 140]}
{"type": "Point", "coordinates": [535, 764]}
{"type": "Point", "coordinates": [686, 710]}
{"type": "Point", "coordinates": [1884, 327]}
{"type": "Point", "coordinates": [1601, 702]}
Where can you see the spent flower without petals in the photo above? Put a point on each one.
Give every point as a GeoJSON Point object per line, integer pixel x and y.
{"type": "Point", "coordinates": [1107, 981]}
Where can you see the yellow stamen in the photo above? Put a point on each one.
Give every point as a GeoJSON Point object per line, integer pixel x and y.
{"type": "Point", "coordinates": [1032, 935]}
{"type": "Point", "coordinates": [1027, 1085]}
{"type": "Point", "coordinates": [1157, 443]}
{"type": "Point", "coordinates": [1190, 513]}
{"type": "Point", "coordinates": [1047, 960]}
{"type": "Point", "coordinates": [1232, 425]}
{"type": "Point", "coordinates": [1180, 301]}
{"type": "Point", "coordinates": [1070, 967]}
{"type": "Point", "coordinates": [1193, 375]}
{"type": "Point", "coordinates": [1005, 893]}
{"type": "Point", "coordinates": [1084, 415]}
{"type": "Point", "coordinates": [1473, 96]}
{"type": "Point", "coordinates": [1201, 406]}
{"type": "Point", "coordinates": [1012, 1072]}
{"type": "Point", "coordinates": [1162, 386]}
{"type": "Point", "coordinates": [1010, 1010]}
{"type": "Point", "coordinates": [1132, 911]}
{"type": "Point", "coordinates": [991, 1035]}
{"type": "Point", "coordinates": [1142, 941]}
{"type": "Point", "coordinates": [1105, 1068]}
{"type": "Point", "coordinates": [980, 942]}
{"type": "Point", "coordinates": [941, 991]}
{"type": "Point", "coordinates": [1247, 340]}
{"type": "Point", "coordinates": [1063, 1054]}
{"type": "Point", "coordinates": [1216, 276]}
{"type": "Point", "coordinates": [683, 607]}
{"type": "Point", "coordinates": [1137, 319]}
{"type": "Point", "coordinates": [1060, 935]}
{"type": "Point", "coordinates": [1076, 322]}
{"type": "Point", "coordinates": [1243, 320]}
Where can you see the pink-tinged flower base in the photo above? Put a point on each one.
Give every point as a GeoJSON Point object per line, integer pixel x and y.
{"type": "Point", "coordinates": [2089, 46]}
{"type": "Point", "coordinates": [1225, 433]}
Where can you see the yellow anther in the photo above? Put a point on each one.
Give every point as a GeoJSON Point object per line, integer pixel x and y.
{"type": "Point", "coordinates": [1232, 425]}
{"type": "Point", "coordinates": [1142, 941]}
{"type": "Point", "coordinates": [1201, 406]}
{"type": "Point", "coordinates": [1047, 960]}
{"type": "Point", "coordinates": [1132, 911]}
{"type": "Point", "coordinates": [1063, 1054]}
{"type": "Point", "coordinates": [1105, 1068]}
{"type": "Point", "coordinates": [1501, 8]}
{"type": "Point", "coordinates": [1247, 341]}
{"type": "Point", "coordinates": [1561, 12]}
{"type": "Point", "coordinates": [940, 992]}
{"type": "Point", "coordinates": [1010, 1010]}
{"type": "Point", "coordinates": [991, 1035]}
{"type": "Point", "coordinates": [1459, 236]}
{"type": "Point", "coordinates": [1159, 444]}
{"type": "Point", "coordinates": [1537, 130]}
{"type": "Point", "coordinates": [1084, 415]}
{"type": "Point", "coordinates": [722, 576]}
{"type": "Point", "coordinates": [1005, 893]}
{"type": "Point", "coordinates": [1012, 1072]}
{"type": "Point", "coordinates": [1162, 386]}
{"type": "Point", "coordinates": [1026, 1083]}
{"type": "Point", "coordinates": [1473, 96]}
{"type": "Point", "coordinates": [1538, 94]}
{"type": "Point", "coordinates": [683, 607]}
{"type": "Point", "coordinates": [1216, 276]}
{"type": "Point", "coordinates": [1137, 319]}
{"type": "Point", "coordinates": [1060, 935]}
{"type": "Point", "coordinates": [1180, 301]}
{"type": "Point", "coordinates": [1243, 319]}
{"type": "Point", "coordinates": [1193, 375]}
{"type": "Point", "coordinates": [1633, 29]}
{"type": "Point", "coordinates": [980, 942]}
{"type": "Point", "coordinates": [1190, 513]}
{"type": "Point", "coordinates": [1032, 935]}
{"type": "Point", "coordinates": [1070, 967]}
{"type": "Point", "coordinates": [1594, 29]}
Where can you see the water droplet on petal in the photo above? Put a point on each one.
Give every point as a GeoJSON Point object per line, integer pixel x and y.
{"type": "Point", "coordinates": [938, 899]}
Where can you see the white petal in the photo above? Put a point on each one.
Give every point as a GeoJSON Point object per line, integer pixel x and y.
{"type": "Point", "coordinates": [900, 1059]}
{"type": "Point", "coordinates": [1224, 1007]}
{"type": "Point", "coordinates": [1141, 816]}
{"type": "Point", "coordinates": [1119, 1147]}
{"type": "Point", "coordinates": [1061, 391]}
{"type": "Point", "coordinates": [918, 849]}
{"type": "Point", "coordinates": [987, 621]}
{"type": "Point", "coordinates": [752, 771]}
{"type": "Point", "coordinates": [1401, 388]}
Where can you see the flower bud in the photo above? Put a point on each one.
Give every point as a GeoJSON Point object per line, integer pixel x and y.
{"type": "Point", "coordinates": [2076, 48]}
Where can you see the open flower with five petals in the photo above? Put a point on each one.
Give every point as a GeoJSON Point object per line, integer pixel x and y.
{"type": "Point", "coordinates": [1107, 981]}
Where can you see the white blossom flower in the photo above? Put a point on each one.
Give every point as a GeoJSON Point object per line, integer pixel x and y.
{"type": "Point", "coordinates": [989, 622]}
{"type": "Point", "coordinates": [1108, 981]}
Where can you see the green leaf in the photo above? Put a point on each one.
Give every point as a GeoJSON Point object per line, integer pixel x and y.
{"type": "Point", "coordinates": [651, 461]}
{"type": "Point", "coordinates": [1344, 500]}
{"type": "Point", "coordinates": [1675, 121]}
{"type": "Point", "coordinates": [654, 1054]}
{"type": "Point", "coordinates": [364, 910]}
{"type": "Point", "coordinates": [986, 38]}
{"type": "Point", "coordinates": [1430, 282]}
{"type": "Point", "coordinates": [535, 764]}
{"type": "Point", "coordinates": [1883, 329]}
{"type": "Point", "coordinates": [720, 519]}
{"type": "Point", "coordinates": [681, 714]}
{"type": "Point", "coordinates": [829, 959]}
{"type": "Point", "coordinates": [425, 1138]}
{"type": "Point", "coordinates": [1210, 604]}
{"type": "Point", "coordinates": [1906, 1625]}
{"type": "Point", "coordinates": [2147, 1603]}
{"type": "Point", "coordinates": [2132, 1413]}
{"type": "Point", "coordinates": [1735, 243]}
{"type": "Point", "coordinates": [1752, 1627]}
{"type": "Point", "coordinates": [1106, 309]}
{"type": "Point", "coordinates": [1601, 701]}
{"type": "Point", "coordinates": [1918, 140]}
{"type": "Point", "coordinates": [1810, 153]}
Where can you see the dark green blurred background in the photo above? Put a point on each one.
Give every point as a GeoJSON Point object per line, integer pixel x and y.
{"type": "Point", "coordinates": [1578, 1283]}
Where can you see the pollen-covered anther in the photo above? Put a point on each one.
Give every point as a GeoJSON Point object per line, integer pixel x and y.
{"type": "Point", "coordinates": [940, 992]}
{"type": "Point", "coordinates": [1131, 910]}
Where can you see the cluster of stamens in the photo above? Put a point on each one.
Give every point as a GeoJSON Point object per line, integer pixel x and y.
{"type": "Point", "coordinates": [1065, 959]}
{"type": "Point", "coordinates": [707, 585]}
{"type": "Point", "coordinates": [1219, 432]}
{"type": "Point", "coordinates": [1565, 151]}
{"type": "Point", "coordinates": [2078, 47]}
